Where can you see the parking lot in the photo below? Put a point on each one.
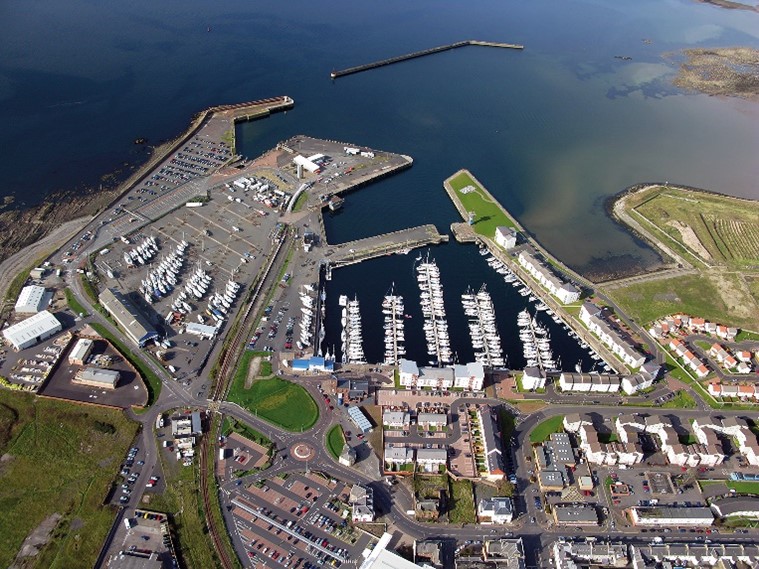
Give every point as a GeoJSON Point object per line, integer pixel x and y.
{"type": "Point", "coordinates": [648, 487]}
{"type": "Point", "coordinates": [302, 520]}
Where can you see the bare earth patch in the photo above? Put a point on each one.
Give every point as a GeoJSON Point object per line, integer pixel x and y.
{"type": "Point", "coordinates": [690, 239]}
{"type": "Point", "coordinates": [255, 365]}
{"type": "Point", "coordinates": [37, 539]}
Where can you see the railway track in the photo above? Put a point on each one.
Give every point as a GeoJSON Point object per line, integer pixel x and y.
{"type": "Point", "coordinates": [219, 392]}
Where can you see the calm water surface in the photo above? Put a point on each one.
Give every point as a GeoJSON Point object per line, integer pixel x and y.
{"type": "Point", "coordinates": [552, 131]}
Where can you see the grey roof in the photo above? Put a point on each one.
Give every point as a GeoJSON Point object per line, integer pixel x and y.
{"type": "Point", "coordinates": [408, 366]}
{"type": "Point", "coordinates": [497, 506]}
{"type": "Point", "coordinates": [551, 478]}
{"type": "Point", "coordinates": [128, 317]}
{"type": "Point", "coordinates": [560, 449]}
{"type": "Point", "coordinates": [98, 375]}
{"type": "Point", "coordinates": [730, 506]}
{"type": "Point", "coordinates": [575, 513]}
{"type": "Point", "coordinates": [492, 444]}
{"type": "Point", "coordinates": [438, 418]}
{"type": "Point", "coordinates": [399, 454]}
{"type": "Point", "coordinates": [432, 454]}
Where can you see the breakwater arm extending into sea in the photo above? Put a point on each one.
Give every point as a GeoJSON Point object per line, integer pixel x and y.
{"type": "Point", "coordinates": [422, 53]}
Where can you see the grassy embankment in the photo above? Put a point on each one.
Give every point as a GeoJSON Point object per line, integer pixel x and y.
{"type": "Point", "coordinates": [283, 403]}
{"type": "Point", "coordinates": [719, 236]}
{"type": "Point", "coordinates": [74, 303]}
{"type": "Point", "coordinates": [544, 430]}
{"type": "Point", "coordinates": [335, 441]}
{"type": "Point", "coordinates": [61, 458]}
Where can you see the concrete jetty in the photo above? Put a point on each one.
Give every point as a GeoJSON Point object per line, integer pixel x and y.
{"type": "Point", "coordinates": [400, 242]}
{"type": "Point", "coordinates": [421, 53]}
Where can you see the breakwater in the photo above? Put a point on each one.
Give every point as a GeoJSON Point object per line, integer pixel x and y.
{"type": "Point", "coordinates": [422, 53]}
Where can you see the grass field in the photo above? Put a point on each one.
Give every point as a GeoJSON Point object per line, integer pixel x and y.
{"type": "Point", "coordinates": [152, 381]}
{"type": "Point", "coordinates": [63, 458]}
{"type": "Point", "coordinates": [543, 430]}
{"type": "Point", "coordinates": [488, 214]}
{"type": "Point", "coordinates": [335, 441]}
{"type": "Point", "coordinates": [280, 402]}
{"type": "Point", "coordinates": [691, 294]}
{"type": "Point", "coordinates": [461, 509]}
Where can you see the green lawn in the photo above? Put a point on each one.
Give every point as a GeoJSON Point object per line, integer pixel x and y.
{"type": "Point", "coordinates": [152, 381]}
{"type": "Point", "coordinates": [682, 400]}
{"type": "Point", "coordinates": [743, 486]}
{"type": "Point", "coordinates": [276, 400]}
{"type": "Point", "coordinates": [461, 508]}
{"type": "Point", "coordinates": [335, 441]}
{"type": "Point", "coordinates": [74, 303]}
{"type": "Point", "coordinates": [543, 430]}
{"type": "Point", "coordinates": [62, 458]}
{"type": "Point", "coordinates": [488, 214]}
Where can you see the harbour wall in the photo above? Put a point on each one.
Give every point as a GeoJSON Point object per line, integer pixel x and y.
{"type": "Point", "coordinates": [421, 53]}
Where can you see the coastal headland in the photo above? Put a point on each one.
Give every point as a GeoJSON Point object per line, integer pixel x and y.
{"type": "Point", "coordinates": [712, 241]}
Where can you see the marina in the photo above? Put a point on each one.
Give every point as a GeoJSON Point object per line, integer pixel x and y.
{"type": "Point", "coordinates": [352, 336]}
{"type": "Point", "coordinates": [486, 342]}
{"type": "Point", "coordinates": [394, 318]}
{"type": "Point", "coordinates": [435, 323]}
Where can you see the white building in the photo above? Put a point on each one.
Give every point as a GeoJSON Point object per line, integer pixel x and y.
{"type": "Point", "coordinates": [506, 237]}
{"type": "Point", "coordinates": [589, 382]}
{"type": "Point", "coordinates": [431, 459]}
{"type": "Point", "coordinates": [306, 164]}
{"type": "Point", "coordinates": [412, 376]}
{"type": "Point", "coordinates": [470, 376]}
{"type": "Point", "coordinates": [32, 300]}
{"type": "Point", "coordinates": [82, 349]}
{"type": "Point", "coordinates": [655, 516]}
{"type": "Point", "coordinates": [743, 507]}
{"type": "Point", "coordinates": [533, 378]}
{"type": "Point", "coordinates": [359, 419]}
{"type": "Point", "coordinates": [592, 316]}
{"type": "Point", "coordinates": [399, 455]}
{"type": "Point", "coordinates": [638, 382]}
{"type": "Point", "coordinates": [33, 330]}
{"type": "Point", "coordinates": [202, 330]}
{"type": "Point", "coordinates": [437, 420]}
{"type": "Point", "coordinates": [565, 292]}
{"type": "Point", "coordinates": [498, 510]}
{"type": "Point", "coordinates": [362, 503]}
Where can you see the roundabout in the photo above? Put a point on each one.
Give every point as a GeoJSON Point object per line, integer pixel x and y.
{"type": "Point", "coordinates": [302, 451]}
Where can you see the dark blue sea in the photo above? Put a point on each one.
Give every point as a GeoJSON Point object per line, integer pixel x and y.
{"type": "Point", "coordinates": [552, 131]}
